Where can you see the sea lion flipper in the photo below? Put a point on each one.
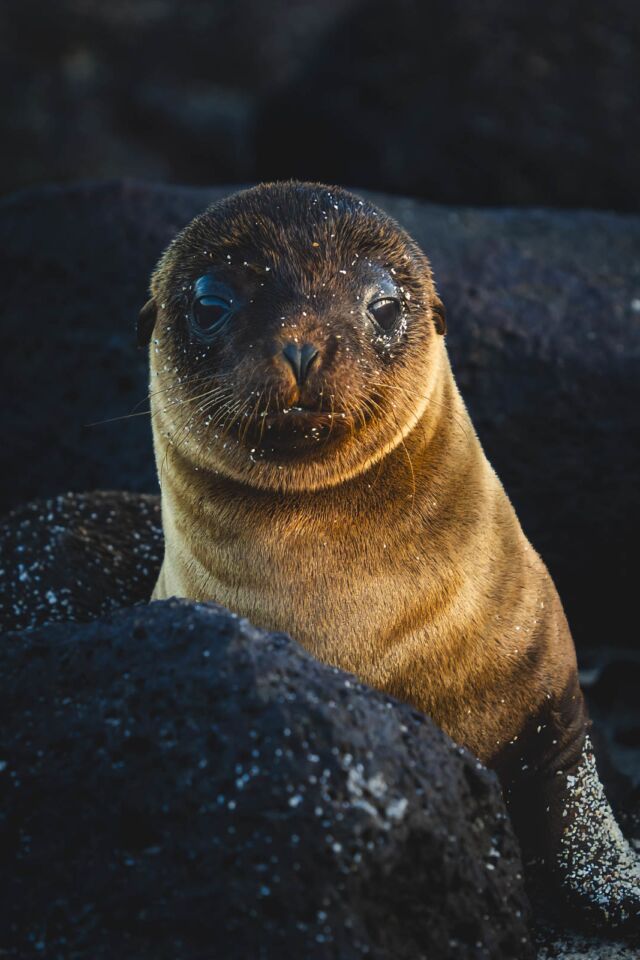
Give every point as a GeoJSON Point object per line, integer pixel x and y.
{"type": "Point", "coordinates": [579, 862]}
{"type": "Point", "coordinates": [596, 865]}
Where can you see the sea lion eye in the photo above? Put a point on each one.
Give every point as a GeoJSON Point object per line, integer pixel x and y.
{"type": "Point", "coordinates": [210, 313]}
{"type": "Point", "coordinates": [385, 313]}
{"type": "Point", "coordinates": [212, 305]}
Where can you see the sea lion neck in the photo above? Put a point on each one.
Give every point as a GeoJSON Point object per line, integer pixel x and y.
{"type": "Point", "coordinates": [401, 477]}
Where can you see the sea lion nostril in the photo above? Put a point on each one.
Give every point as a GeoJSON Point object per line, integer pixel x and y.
{"type": "Point", "coordinates": [300, 359]}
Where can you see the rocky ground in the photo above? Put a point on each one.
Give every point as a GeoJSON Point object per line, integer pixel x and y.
{"type": "Point", "coordinates": [544, 321]}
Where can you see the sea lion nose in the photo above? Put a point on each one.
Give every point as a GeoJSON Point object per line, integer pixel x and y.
{"type": "Point", "coordinates": [300, 359]}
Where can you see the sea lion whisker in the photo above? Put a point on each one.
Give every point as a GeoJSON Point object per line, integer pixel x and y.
{"type": "Point", "coordinates": [331, 418]}
{"type": "Point", "coordinates": [201, 396]}
{"type": "Point", "coordinates": [139, 413]}
{"type": "Point", "coordinates": [370, 407]}
{"type": "Point", "coordinates": [172, 386]}
{"type": "Point", "coordinates": [124, 416]}
{"type": "Point", "coordinates": [263, 418]}
{"type": "Point", "coordinates": [221, 408]}
{"type": "Point", "coordinates": [408, 456]}
{"type": "Point", "coordinates": [182, 430]}
{"type": "Point", "coordinates": [244, 420]}
{"type": "Point", "coordinates": [234, 413]}
{"type": "Point", "coordinates": [253, 415]}
{"type": "Point", "coordinates": [430, 399]}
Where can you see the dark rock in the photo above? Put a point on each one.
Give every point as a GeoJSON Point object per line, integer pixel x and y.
{"type": "Point", "coordinates": [544, 335]}
{"type": "Point", "coordinates": [179, 784]}
{"type": "Point", "coordinates": [76, 271]}
{"type": "Point", "coordinates": [78, 557]}
{"type": "Point", "coordinates": [451, 100]}
{"type": "Point", "coordinates": [146, 89]}
{"type": "Point", "coordinates": [458, 102]}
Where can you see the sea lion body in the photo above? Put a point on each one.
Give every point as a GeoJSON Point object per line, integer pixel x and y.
{"type": "Point", "coordinates": [377, 575]}
{"type": "Point", "coordinates": [320, 475]}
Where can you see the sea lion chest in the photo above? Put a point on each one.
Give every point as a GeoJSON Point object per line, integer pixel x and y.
{"type": "Point", "coordinates": [341, 581]}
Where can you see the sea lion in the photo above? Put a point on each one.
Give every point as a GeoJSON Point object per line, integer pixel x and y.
{"type": "Point", "coordinates": [320, 475]}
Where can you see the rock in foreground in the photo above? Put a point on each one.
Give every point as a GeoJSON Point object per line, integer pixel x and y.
{"type": "Point", "coordinates": [179, 784]}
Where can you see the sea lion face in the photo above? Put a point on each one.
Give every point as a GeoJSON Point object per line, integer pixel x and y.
{"type": "Point", "coordinates": [295, 331]}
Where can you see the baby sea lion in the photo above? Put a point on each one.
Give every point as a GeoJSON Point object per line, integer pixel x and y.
{"type": "Point", "coordinates": [320, 475]}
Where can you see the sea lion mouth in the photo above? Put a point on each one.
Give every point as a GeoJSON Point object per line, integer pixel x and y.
{"type": "Point", "coordinates": [295, 417]}
{"type": "Point", "coordinates": [295, 431]}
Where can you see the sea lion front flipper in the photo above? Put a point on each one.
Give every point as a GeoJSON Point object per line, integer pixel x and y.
{"type": "Point", "coordinates": [572, 842]}
{"type": "Point", "coordinates": [596, 866]}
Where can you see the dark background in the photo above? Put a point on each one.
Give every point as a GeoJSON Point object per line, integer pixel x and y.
{"type": "Point", "coordinates": [499, 102]}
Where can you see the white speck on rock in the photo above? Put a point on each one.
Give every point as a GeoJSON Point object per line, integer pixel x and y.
{"type": "Point", "coordinates": [397, 808]}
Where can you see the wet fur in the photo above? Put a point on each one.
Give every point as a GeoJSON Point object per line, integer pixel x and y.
{"type": "Point", "coordinates": [394, 552]}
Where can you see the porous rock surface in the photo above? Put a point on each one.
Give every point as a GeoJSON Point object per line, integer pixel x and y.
{"type": "Point", "coordinates": [78, 557]}
{"type": "Point", "coordinates": [544, 336]}
{"type": "Point", "coordinates": [177, 783]}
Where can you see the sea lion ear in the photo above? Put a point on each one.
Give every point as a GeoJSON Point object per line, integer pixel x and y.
{"type": "Point", "coordinates": [146, 322]}
{"type": "Point", "coordinates": [439, 316]}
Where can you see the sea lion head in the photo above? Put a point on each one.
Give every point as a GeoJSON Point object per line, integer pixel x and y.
{"type": "Point", "coordinates": [294, 333]}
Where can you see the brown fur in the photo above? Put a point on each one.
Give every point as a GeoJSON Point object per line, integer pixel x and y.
{"type": "Point", "coordinates": [394, 551]}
